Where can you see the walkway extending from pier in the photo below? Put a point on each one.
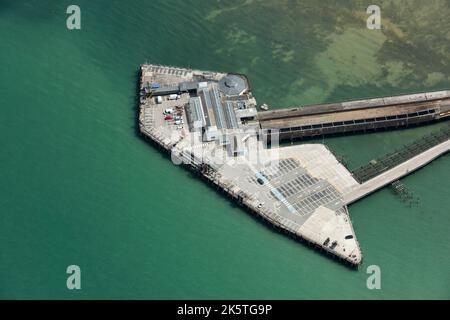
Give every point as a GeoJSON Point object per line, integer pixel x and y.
{"type": "Point", "coordinates": [380, 165]}
{"type": "Point", "coordinates": [397, 172]}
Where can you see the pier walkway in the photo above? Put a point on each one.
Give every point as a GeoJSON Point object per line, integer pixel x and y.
{"type": "Point", "coordinates": [356, 116]}
{"type": "Point", "coordinates": [378, 166]}
{"type": "Point", "coordinates": [397, 172]}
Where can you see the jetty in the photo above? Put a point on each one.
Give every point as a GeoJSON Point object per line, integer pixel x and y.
{"type": "Point", "coordinates": [357, 116]}
{"type": "Point", "coordinates": [209, 122]}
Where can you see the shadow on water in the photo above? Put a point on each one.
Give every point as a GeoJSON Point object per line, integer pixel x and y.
{"type": "Point", "coordinates": [137, 90]}
{"type": "Point", "coordinates": [367, 132]}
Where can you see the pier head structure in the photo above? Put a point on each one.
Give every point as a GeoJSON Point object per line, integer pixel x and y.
{"type": "Point", "coordinates": [209, 122]}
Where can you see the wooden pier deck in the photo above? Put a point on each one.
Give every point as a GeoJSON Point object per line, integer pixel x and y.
{"type": "Point", "coordinates": [354, 116]}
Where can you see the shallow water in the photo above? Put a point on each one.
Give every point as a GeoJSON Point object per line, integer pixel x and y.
{"type": "Point", "coordinates": [78, 186]}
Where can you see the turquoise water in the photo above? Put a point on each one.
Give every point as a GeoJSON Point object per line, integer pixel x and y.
{"type": "Point", "coordinates": [78, 185]}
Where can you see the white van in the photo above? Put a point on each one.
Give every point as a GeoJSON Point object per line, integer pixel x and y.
{"type": "Point", "coordinates": [203, 85]}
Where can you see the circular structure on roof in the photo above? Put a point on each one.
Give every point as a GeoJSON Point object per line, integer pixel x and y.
{"type": "Point", "coordinates": [233, 85]}
{"type": "Point", "coordinates": [230, 83]}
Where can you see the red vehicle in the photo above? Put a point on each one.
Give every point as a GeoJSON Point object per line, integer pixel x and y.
{"type": "Point", "coordinates": [168, 118]}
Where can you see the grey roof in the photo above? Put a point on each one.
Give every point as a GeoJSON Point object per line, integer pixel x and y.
{"type": "Point", "coordinates": [195, 111]}
{"type": "Point", "coordinates": [166, 90]}
{"type": "Point", "coordinates": [230, 115]}
{"type": "Point", "coordinates": [188, 86]}
{"type": "Point", "coordinates": [232, 84]}
{"type": "Point", "coordinates": [217, 108]}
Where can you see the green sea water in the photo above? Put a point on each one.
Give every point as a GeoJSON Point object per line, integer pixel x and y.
{"type": "Point", "coordinates": [79, 186]}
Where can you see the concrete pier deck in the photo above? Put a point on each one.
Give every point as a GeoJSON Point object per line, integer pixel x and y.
{"type": "Point", "coordinates": [209, 123]}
